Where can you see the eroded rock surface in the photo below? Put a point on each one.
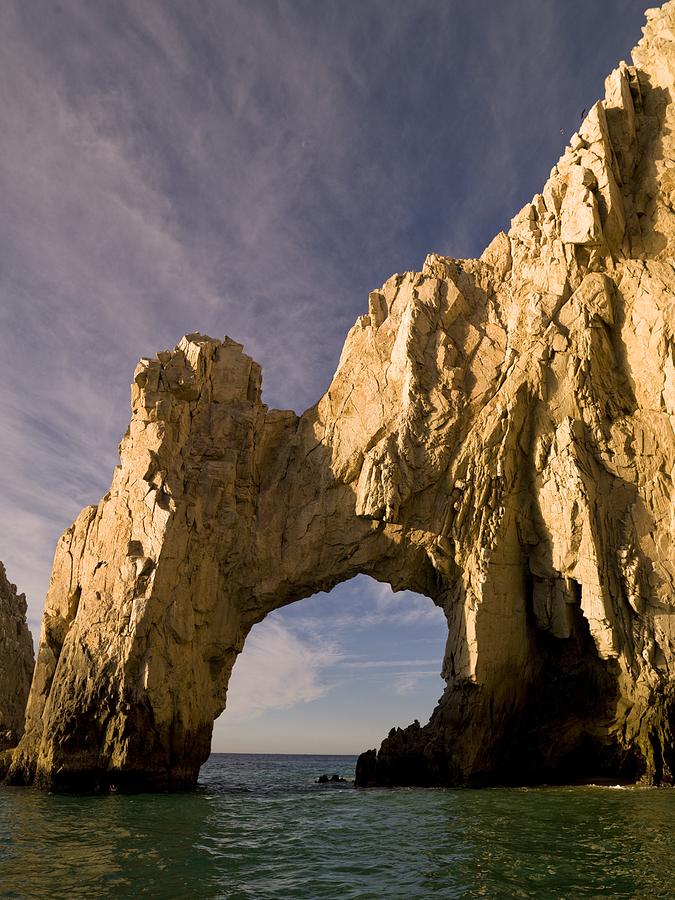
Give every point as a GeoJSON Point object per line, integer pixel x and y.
{"type": "Point", "coordinates": [498, 435]}
{"type": "Point", "coordinates": [16, 662]}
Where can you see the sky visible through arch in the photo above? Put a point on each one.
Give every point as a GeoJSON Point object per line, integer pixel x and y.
{"type": "Point", "coordinates": [334, 672]}
{"type": "Point", "coordinates": [251, 168]}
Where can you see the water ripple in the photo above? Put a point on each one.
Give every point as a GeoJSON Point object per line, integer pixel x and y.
{"type": "Point", "coordinates": [259, 827]}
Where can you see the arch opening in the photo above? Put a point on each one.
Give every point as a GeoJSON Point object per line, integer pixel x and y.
{"type": "Point", "coordinates": [333, 674]}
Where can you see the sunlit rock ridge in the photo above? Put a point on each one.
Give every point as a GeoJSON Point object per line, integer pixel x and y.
{"type": "Point", "coordinates": [498, 436]}
{"type": "Point", "coordinates": [16, 662]}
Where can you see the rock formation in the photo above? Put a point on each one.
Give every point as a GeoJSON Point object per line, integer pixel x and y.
{"type": "Point", "coordinates": [498, 436]}
{"type": "Point", "coordinates": [16, 662]}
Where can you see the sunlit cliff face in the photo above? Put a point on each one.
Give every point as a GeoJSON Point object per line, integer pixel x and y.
{"type": "Point", "coordinates": [497, 436]}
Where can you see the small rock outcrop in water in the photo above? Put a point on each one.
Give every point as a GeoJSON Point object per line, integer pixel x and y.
{"type": "Point", "coordinates": [498, 435]}
{"type": "Point", "coordinates": [332, 779]}
{"type": "Point", "coordinates": [16, 662]}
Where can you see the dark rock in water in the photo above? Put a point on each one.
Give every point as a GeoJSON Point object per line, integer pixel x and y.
{"type": "Point", "coordinates": [366, 769]}
{"type": "Point", "coordinates": [5, 763]}
{"type": "Point", "coordinates": [333, 779]}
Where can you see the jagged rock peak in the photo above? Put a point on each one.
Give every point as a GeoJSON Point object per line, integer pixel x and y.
{"type": "Point", "coordinates": [498, 435]}
{"type": "Point", "coordinates": [16, 662]}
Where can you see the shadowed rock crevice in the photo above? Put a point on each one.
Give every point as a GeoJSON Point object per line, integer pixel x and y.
{"type": "Point", "coordinates": [555, 731]}
{"type": "Point", "coordinates": [498, 436]}
{"type": "Point", "coordinates": [16, 667]}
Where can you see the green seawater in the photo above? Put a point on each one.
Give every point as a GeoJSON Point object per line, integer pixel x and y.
{"type": "Point", "coordinates": [259, 827]}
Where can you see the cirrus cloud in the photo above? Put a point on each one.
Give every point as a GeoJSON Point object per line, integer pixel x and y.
{"type": "Point", "coordinates": [277, 670]}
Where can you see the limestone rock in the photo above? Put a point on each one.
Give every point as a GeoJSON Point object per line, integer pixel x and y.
{"type": "Point", "coordinates": [16, 662]}
{"type": "Point", "coordinates": [498, 435]}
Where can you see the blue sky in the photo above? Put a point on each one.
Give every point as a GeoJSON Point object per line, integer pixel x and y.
{"type": "Point", "coordinates": [333, 673]}
{"type": "Point", "coordinates": [254, 169]}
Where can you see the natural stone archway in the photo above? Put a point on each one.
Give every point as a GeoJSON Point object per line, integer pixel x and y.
{"type": "Point", "coordinates": [220, 512]}
{"type": "Point", "coordinates": [498, 436]}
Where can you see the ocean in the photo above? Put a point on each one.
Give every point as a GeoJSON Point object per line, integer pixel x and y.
{"type": "Point", "coordinates": [259, 826]}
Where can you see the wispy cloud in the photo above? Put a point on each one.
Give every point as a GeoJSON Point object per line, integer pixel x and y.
{"type": "Point", "coordinates": [386, 663]}
{"type": "Point", "coordinates": [406, 685]}
{"type": "Point", "coordinates": [373, 605]}
{"type": "Point", "coordinates": [277, 670]}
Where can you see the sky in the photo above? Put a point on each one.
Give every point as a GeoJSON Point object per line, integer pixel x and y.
{"type": "Point", "coordinates": [254, 168]}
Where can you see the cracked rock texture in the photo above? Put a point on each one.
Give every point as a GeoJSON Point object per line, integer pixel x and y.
{"type": "Point", "coordinates": [16, 662]}
{"type": "Point", "coordinates": [498, 435]}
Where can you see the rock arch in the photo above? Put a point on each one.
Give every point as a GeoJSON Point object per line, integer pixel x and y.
{"type": "Point", "coordinates": [498, 435]}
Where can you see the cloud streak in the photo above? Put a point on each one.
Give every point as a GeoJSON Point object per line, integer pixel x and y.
{"type": "Point", "coordinates": [386, 663]}
{"type": "Point", "coordinates": [277, 670]}
{"type": "Point", "coordinates": [374, 605]}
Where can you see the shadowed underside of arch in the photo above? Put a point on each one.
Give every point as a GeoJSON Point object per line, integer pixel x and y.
{"type": "Point", "coordinates": [498, 436]}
